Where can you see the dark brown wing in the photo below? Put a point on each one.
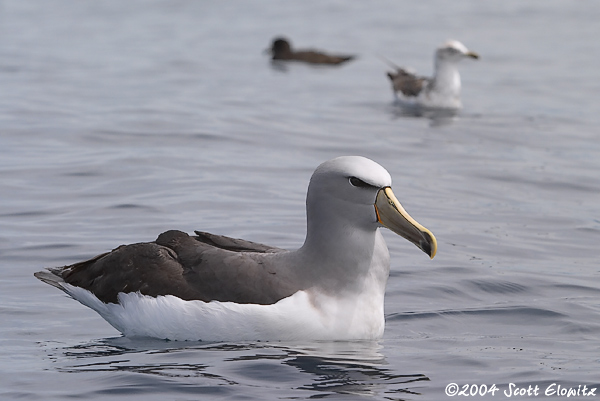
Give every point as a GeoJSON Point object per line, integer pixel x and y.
{"type": "Point", "coordinates": [234, 244]}
{"type": "Point", "coordinates": [207, 267]}
{"type": "Point", "coordinates": [407, 83]}
{"type": "Point", "coordinates": [315, 57]}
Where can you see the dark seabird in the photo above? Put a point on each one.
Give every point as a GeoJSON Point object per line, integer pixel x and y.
{"type": "Point", "coordinates": [282, 50]}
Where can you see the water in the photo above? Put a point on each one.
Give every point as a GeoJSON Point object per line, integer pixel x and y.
{"type": "Point", "coordinates": [122, 120]}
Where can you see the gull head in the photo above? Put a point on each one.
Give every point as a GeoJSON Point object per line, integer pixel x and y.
{"type": "Point", "coordinates": [353, 194]}
{"type": "Point", "coordinates": [455, 51]}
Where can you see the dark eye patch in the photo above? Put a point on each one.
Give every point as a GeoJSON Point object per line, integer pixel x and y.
{"type": "Point", "coordinates": [357, 182]}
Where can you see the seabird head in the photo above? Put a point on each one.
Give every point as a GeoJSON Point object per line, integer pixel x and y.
{"type": "Point", "coordinates": [280, 46]}
{"type": "Point", "coordinates": [353, 192]}
{"type": "Point", "coordinates": [454, 50]}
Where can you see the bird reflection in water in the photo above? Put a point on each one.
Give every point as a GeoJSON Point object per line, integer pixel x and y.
{"type": "Point", "coordinates": [356, 367]}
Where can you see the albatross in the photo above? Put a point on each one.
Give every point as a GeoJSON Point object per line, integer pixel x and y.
{"type": "Point", "coordinates": [208, 287]}
{"type": "Point", "coordinates": [442, 91]}
{"type": "Point", "coordinates": [281, 49]}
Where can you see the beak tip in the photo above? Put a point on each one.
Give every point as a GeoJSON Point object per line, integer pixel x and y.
{"type": "Point", "coordinates": [429, 245]}
{"type": "Point", "coordinates": [427, 248]}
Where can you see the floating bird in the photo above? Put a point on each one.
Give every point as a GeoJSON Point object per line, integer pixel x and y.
{"type": "Point", "coordinates": [442, 91]}
{"type": "Point", "coordinates": [282, 50]}
{"type": "Point", "coordinates": [216, 288]}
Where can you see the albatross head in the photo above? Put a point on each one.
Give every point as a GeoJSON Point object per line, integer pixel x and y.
{"type": "Point", "coordinates": [353, 194]}
{"type": "Point", "coordinates": [453, 50]}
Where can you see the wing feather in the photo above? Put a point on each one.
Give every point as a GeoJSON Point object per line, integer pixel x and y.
{"type": "Point", "coordinates": [406, 82]}
{"type": "Point", "coordinates": [206, 267]}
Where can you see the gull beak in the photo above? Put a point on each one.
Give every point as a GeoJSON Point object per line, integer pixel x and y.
{"type": "Point", "coordinates": [392, 215]}
{"type": "Point", "coordinates": [472, 55]}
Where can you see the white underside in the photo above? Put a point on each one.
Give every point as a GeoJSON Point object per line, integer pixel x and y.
{"type": "Point", "coordinates": [429, 101]}
{"type": "Point", "coordinates": [303, 316]}
{"type": "Point", "coordinates": [444, 95]}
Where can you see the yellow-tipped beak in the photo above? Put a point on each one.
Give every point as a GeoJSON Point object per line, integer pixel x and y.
{"type": "Point", "coordinates": [472, 55]}
{"type": "Point", "coordinates": [392, 215]}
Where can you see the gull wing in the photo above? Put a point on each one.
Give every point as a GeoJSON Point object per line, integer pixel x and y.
{"type": "Point", "coordinates": [407, 83]}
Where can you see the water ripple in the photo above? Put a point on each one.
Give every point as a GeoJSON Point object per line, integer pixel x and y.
{"type": "Point", "coordinates": [513, 313]}
{"type": "Point", "coordinates": [498, 287]}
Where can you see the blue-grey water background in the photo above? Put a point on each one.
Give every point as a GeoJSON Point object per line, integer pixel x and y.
{"type": "Point", "coordinates": [120, 120]}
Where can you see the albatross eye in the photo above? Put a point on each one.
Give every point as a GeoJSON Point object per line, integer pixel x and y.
{"type": "Point", "coordinates": [357, 182]}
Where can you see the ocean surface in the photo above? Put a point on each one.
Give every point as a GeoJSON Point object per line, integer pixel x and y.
{"type": "Point", "coordinates": [120, 120]}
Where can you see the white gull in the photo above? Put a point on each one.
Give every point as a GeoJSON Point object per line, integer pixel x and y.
{"type": "Point", "coordinates": [442, 91]}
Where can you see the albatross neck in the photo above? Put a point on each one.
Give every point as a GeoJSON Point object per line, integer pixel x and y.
{"type": "Point", "coordinates": [343, 251]}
